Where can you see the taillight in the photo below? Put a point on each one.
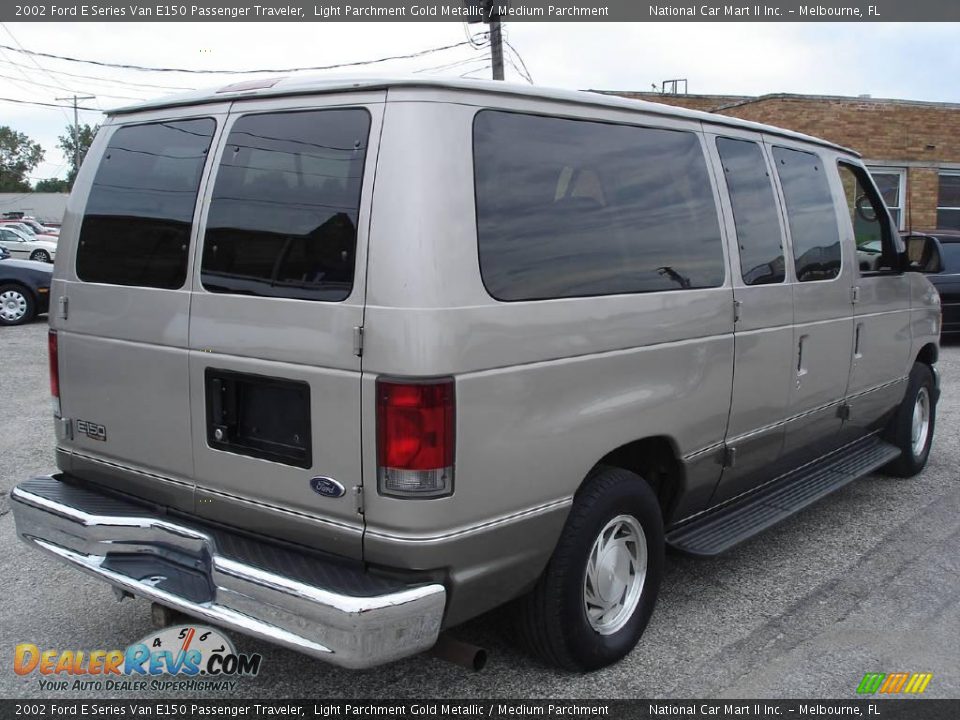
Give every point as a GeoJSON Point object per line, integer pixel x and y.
{"type": "Point", "coordinates": [415, 437]}
{"type": "Point", "coordinates": [54, 371]}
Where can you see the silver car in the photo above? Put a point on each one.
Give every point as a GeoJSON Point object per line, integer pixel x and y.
{"type": "Point", "coordinates": [24, 246]}
{"type": "Point", "coordinates": [344, 364]}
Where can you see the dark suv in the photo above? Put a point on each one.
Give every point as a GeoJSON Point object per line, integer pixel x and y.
{"type": "Point", "coordinates": [947, 281]}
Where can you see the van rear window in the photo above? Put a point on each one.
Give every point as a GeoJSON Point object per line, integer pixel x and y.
{"type": "Point", "coordinates": [136, 227]}
{"type": "Point", "coordinates": [283, 217]}
{"type": "Point", "coordinates": [569, 208]}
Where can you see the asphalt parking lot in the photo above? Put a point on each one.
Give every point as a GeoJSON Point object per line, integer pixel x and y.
{"type": "Point", "coordinates": [866, 581]}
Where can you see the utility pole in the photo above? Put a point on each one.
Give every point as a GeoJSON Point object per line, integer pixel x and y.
{"type": "Point", "coordinates": [487, 11]}
{"type": "Point", "coordinates": [76, 127]}
{"type": "Point", "coordinates": [496, 48]}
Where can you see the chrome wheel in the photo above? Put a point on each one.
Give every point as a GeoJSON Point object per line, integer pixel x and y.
{"type": "Point", "coordinates": [40, 256]}
{"type": "Point", "coordinates": [920, 428]}
{"type": "Point", "coordinates": [13, 306]}
{"type": "Point", "coordinates": [615, 573]}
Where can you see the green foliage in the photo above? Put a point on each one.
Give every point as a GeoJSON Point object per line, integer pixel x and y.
{"type": "Point", "coordinates": [52, 185]}
{"type": "Point", "coordinates": [19, 155]}
{"type": "Point", "coordinates": [67, 143]}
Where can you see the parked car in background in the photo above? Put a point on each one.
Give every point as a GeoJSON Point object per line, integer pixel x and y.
{"type": "Point", "coordinates": [947, 281]}
{"type": "Point", "coordinates": [38, 227]}
{"type": "Point", "coordinates": [30, 230]}
{"type": "Point", "coordinates": [21, 245]}
{"type": "Point", "coordinates": [24, 289]}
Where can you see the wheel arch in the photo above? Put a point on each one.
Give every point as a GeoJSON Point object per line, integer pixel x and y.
{"type": "Point", "coordinates": [654, 458]}
{"type": "Point", "coordinates": [929, 354]}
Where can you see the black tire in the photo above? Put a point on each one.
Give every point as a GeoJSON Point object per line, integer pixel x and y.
{"type": "Point", "coordinates": [27, 299]}
{"type": "Point", "coordinates": [553, 622]}
{"type": "Point", "coordinates": [900, 430]}
{"type": "Point", "coordinates": [40, 256]}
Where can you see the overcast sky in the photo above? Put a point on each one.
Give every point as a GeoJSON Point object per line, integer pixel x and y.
{"type": "Point", "coordinates": [918, 61]}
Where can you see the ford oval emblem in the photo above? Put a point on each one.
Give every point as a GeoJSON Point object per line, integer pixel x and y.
{"type": "Point", "coordinates": [328, 487]}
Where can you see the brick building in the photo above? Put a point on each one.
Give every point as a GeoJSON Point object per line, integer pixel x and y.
{"type": "Point", "coordinates": [912, 148]}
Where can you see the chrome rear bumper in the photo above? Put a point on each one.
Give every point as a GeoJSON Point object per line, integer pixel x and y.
{"type": "Point", "coordinates": [332, 611]}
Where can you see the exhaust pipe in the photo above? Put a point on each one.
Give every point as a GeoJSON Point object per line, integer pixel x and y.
{"type": "Point", "coordinates": [163, 617]}
{"type": "Point", "coordinates": [459, 653]}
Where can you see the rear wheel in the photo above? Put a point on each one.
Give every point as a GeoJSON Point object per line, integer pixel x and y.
{"type": "Point", "coordinates": [16, 305]}
{"type": "Point", "coordinates": [911, 427]}
{"type": "Point", "coordinates": [40, 256]}
{"type": "Point", "coordinates": [597, 593]}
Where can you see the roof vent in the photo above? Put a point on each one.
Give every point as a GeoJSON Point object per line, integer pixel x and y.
{"type": "Point", "coordinates": [250, 85]}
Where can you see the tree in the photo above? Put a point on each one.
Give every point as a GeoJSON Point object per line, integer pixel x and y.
{"type": "Point", "coordinates": [67, 143]}
{"type": "Point", "coordinates": [52, 185]}
{"type": "Point", "coordinates": [19, 155]}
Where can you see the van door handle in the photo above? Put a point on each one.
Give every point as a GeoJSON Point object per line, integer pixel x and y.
{"type": "Point", "coordinates": [858, 336]}
{"type": "Point", "coordinates": [801, 370]}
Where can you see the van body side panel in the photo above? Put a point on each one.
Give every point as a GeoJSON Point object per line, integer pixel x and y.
{"type": "Point", "coordinates": [544, 389]}
{"type": "Point", "coordinates": [123, 347]}
{"type": "Point", "coordinates": [925, 316]}
{"type": "Point", "coordinates": [302, 343]}
{"type": "Point", "coordinates": [763, 367]}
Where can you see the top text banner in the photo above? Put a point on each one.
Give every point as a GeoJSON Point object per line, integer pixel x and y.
{"type": "Point", "coordinates": [509, 11]}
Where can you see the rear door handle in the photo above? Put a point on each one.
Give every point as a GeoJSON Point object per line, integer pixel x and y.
{"type": "Point", "coordinates": [801, 370]}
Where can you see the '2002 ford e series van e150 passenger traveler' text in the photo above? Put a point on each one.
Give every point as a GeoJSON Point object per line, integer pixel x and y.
{"type": "Point", "coordinates": [343, 364]}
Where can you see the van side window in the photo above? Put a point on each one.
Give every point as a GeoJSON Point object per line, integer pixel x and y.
{"type": "Point", "coordinates": [283, 216]}
{"type": "Point", "coordinates": [136, 226]}
{"type": "Point", "coordinates": [869, 220]}
{"type": "Point", "coordinates": [759, 236]}
{"type": "Point", "coordinates": [569, 208]}
{"type": "Point", "coordinates": [810, 213]}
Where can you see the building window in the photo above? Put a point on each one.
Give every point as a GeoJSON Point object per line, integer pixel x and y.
{"type": "Point", "coordinates": [948, 201]}
{"type": "Point", "coordinates": [892, 184]}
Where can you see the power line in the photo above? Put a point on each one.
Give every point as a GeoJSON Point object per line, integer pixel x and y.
{"type": "Point", "coordinates": [39, 66]}
{"type": "Point", "coordinates": [143, 68]}
{"type": "Point", "coordinates": [526, 73]}
{"type": "Point", "coordinates": [46, 104]}
{"type": "Point", "coordinates": [56, 87]}
{"type": "Point", "coordinates": [103, 79]}
{"type": "Point", "coordinates": [7, 30]}
{"type": "Point", "coordinates": [457, 63]}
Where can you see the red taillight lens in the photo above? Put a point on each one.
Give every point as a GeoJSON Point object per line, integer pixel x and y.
{"type": "Point", "coordinates": [415, 437]}
{"type": "Point", "coordinates": [52, 348]}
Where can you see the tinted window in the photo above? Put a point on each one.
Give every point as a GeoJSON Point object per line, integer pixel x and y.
{"type": "Point", "coordinates": [568, 208]}
{"type": "Point", "coordinates": [283, 218]}
{"type": "Point", "coordinates": [810, 212]}
{"type": "Point", "coordinates": [136, 230]}
{"type": "Point", "coordinates": [754, 211]}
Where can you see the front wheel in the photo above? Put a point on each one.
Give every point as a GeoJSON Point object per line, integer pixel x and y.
{"type": "Point", "coordinates": [40, 256]}
{"type": "Point", "coordinates": [597, 593]}
{"type": "Point", "coordinates": [911, 427]}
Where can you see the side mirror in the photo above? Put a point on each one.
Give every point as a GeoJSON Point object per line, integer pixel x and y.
{"type": "Point", "coordinates": [923, 254]}
{"type": "Point", "coordinates": [865, 209]}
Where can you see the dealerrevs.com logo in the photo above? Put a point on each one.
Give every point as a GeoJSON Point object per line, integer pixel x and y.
{"type": "Point", "coordinates": [183, 657]}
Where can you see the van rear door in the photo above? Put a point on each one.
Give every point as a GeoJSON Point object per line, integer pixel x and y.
{"type": "Point", "coordinates": [277, 310]}
{"type": "Point", "coordinates": [120, 303]}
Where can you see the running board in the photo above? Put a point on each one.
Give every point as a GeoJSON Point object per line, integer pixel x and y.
{"type": "Point", "coordinates": [721, 529]}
